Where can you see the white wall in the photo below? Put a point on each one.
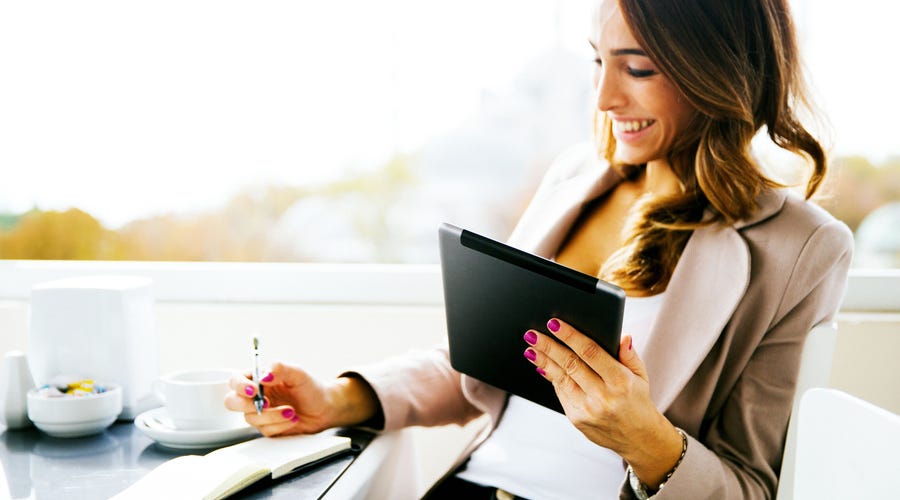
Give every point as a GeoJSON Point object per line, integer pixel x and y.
{"type": "Point", "coordinates": [866, 354]}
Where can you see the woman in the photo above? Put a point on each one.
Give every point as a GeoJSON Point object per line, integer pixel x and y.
{"type": "Point", "coordinates": [725, 273]}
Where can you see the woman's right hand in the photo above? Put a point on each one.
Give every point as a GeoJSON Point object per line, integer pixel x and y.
{"type": "Point", "coordinates": [297, 403]}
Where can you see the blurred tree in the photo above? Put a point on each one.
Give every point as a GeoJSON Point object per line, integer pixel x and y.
{"type": "Point", "coordinates": [243, 229]}
{"type": "Point", "coordinates": [889, 180]}
{"type": "Point", "coordinates": [856, 187]}
{"type": "Point", "coordinates": [69, 235]}
{"type": "Point", "coordinates": [8, 221]}
{"type": "Point", "coordinates": [240, 231]}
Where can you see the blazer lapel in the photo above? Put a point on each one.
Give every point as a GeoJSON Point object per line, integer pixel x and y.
{"type": "Point", "coordinates": [709, 281]}
{"type": "Point", "coordinates": [705, 289]}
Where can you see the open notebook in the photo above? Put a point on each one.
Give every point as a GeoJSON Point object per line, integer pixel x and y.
{"type": "Point", "coordinates": [228, 470]}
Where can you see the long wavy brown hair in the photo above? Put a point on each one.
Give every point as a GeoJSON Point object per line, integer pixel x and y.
{"type": "Point", "coordinates": [737, 64]}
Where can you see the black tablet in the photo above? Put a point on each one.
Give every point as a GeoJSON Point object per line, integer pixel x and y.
{"type": "Point", "coordinates": [494, 293]}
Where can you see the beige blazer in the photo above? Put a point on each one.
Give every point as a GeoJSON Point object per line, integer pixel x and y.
{"type": "Point", "coordinates": [722, 355]}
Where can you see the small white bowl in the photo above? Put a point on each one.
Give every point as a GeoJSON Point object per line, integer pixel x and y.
{"type": "Point", "coordinates": [70, 416]}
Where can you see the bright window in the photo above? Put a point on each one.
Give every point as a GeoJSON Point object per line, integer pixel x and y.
{"type": "Point", "coordinates": [340, 131]}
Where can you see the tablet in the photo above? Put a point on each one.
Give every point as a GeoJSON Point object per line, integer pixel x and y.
{"type": "Point", "coordinates": [494, 293]}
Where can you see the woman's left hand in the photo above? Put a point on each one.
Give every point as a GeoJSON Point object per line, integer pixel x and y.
{"type": "Point", "coordinates": [607, 400]}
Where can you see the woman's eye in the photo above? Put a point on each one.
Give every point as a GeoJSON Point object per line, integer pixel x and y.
{"type": "Point", "coordinates": [640, 73]}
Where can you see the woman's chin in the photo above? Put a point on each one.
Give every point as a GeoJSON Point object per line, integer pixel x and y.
{"type": "Point", "coordinates": [631, 159]}
{"type": "Point", "coordinates": [630, 155]}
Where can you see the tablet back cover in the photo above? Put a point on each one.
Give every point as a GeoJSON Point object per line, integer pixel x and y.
{"type": "Point", "coordinates": [494, 293]}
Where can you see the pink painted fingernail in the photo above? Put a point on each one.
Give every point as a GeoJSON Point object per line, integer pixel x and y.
{"type": "Point", "coordinates": [629, 344]}
{"type": "Point", "coordinates": [530, 337]}
{"type": "Point", "coordinates": [269, 377]}
{"type": "Point", "coordinates": [265, 403]}
{"type": "Point", "coordinates": [541, 371]}
{"type": "Point", "coordinates": [553, 325]}
{"type": "Point", "coordinates": [249, 390]}
{"type": "Point", "coordinates": [287, 413]}
{"type": "Point", "coordinates": [295, 419]}
{"type": "Point", "coordinates": [530, 354]}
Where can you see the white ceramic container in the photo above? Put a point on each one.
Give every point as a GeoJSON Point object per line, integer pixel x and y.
{"type": "Point", "coordinates": [15, 382]}
{"type": "Point", "coordinates": [70, 416]}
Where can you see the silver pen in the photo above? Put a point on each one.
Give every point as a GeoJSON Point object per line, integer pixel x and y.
{"type": "Point", "coordinates": [258, 398]}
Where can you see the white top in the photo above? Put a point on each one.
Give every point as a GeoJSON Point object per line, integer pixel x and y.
{"type": "Point", "coordinates": [537, 453]}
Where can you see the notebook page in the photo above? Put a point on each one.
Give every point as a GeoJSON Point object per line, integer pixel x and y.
{"type": "Point", "coordinates": [283, 454]}
{"type": "Point", "coordinates": [194, 476]}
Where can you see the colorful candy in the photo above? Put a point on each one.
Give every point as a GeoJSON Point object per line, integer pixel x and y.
{"type": "Point", "coordinates": [78, 388]}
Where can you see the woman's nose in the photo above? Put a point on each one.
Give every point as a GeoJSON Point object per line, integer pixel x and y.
{"type": "Point", "coordinates": [609, 92]}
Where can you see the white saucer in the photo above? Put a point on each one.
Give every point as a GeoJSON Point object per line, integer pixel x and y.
{"type": "Point", "coordinates": [157, 425]}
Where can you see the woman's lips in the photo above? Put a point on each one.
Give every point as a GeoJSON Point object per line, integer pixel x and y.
{"type": "Point", "coordinates": [631, 130]}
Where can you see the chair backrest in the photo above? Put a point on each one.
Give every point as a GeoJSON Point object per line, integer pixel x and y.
{"type": "Point", "coordinates": [846, 448]}
{"type": "Point", "coordinates": [815, 370]}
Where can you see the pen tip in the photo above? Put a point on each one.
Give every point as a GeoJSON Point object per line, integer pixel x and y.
{"type": "Point", "coordinates": [255, 342]}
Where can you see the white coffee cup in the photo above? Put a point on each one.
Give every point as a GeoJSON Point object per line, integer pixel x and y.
{"type": "Point", "coordinates": [195, 399]}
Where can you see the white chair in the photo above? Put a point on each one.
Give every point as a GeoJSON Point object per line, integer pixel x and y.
{"type": "Point", "coordinates": [815, 370]}
{"type": "Point", "coordinates": [846, 448]}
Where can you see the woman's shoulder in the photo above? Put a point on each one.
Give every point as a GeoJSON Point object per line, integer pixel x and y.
{"type": "Point", "coordinates": [803, 213]}
{"type": "Point", "coordinates": [792, 218]}
{"type": "Point", "coordinates": [799, 250]}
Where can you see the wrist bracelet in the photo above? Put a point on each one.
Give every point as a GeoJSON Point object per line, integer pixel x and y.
{"type": "Point", "coordinates": [640, 489]}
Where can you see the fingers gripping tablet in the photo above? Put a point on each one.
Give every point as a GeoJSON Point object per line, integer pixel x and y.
{"type": "Point", "coordinates": [494, 293]}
